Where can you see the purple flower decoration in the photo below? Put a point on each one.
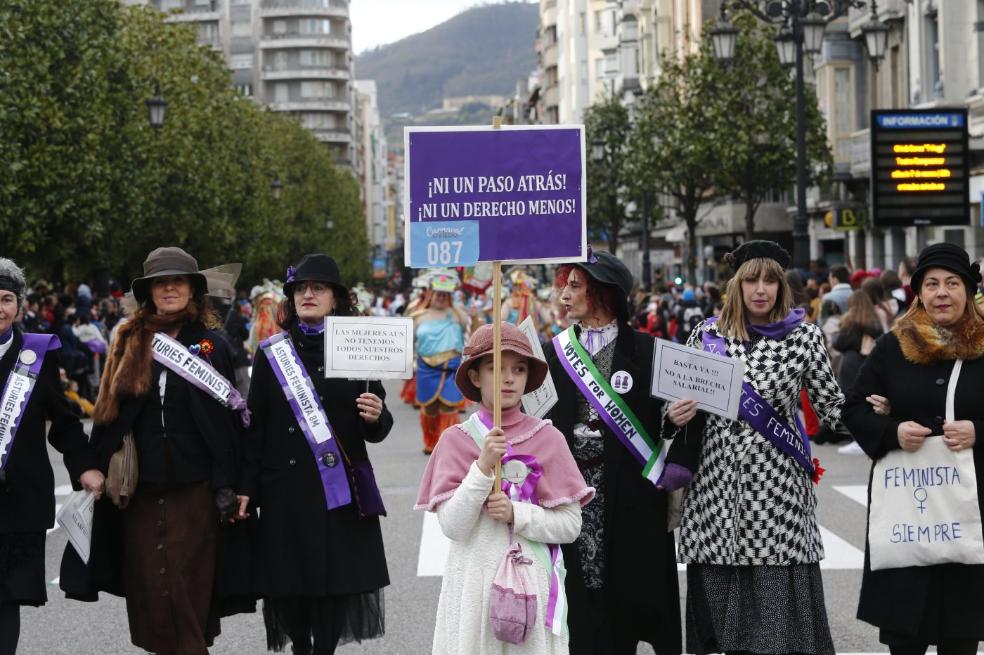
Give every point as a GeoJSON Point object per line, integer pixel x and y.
{"type": "Point", "coordinates": [291, 272]}
{"type": "Point", "coordinates": [591, 256]}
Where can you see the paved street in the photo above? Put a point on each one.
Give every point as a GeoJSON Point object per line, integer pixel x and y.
{"type": "Point", "coordinates": [70, 628]}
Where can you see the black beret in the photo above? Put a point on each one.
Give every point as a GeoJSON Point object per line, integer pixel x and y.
{"type": "Point", "coordinates": [756, 250]}
{"type": "Point", "coordinates": [949, 256]}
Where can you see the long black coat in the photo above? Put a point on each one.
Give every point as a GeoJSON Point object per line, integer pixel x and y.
{"type": "Point", "coordinates": [220, 428]}
{"type": "Point", "coordinates": [304, 549]}
{"type": "Point", "coordinates": [27, 502]}
{"type": "Point", "coordinates": [641, 586]}
{"type": "Point", "coordinates": [915, 600]}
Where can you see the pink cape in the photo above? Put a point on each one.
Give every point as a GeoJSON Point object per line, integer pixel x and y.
{"type": "Point", "coordinates": [560, 484]}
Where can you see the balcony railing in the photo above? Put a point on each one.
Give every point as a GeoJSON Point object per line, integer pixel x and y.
{"type": "Point", "coordinates": [298, 72]}
{"type": "Point", "coordinates": [288, 39]}
{"type": "Point", "coordinates": [306, 7]}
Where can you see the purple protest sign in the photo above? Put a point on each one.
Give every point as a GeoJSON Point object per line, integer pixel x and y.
{"type": "Point", "coordinates": [523, 185]}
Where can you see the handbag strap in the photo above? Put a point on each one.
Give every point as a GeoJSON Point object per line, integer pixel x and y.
{"type": "Point", "coordinates": [951, 390]}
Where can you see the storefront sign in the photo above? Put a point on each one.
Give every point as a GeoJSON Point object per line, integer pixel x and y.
{"type": "Point", "coordinates": [518, 193]}
{"type": "Point", "coordinates": [846, 217]}
{"type": "Point", "coordinates": [920, 167]}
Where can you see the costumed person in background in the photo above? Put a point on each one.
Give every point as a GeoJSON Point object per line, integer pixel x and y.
{"type": "Point", "coordinates": [440, 329]}
{"type": "Point", "coordinates": [538, 506]}
{"type": "Point", "coordinates": [30, 397]}
{"type": "Point", "coordinates": [168, 386]}
{"type": "Point", "coordinates": [899, 401]}
{"type": "Point", "coordinates": [323, 568]}
{"type": "Point", "coordinates": [408, 393]}
{"type": "Point", "coordinates": [522, 300]}
{"type": "Point", "coordinates": [622, 576]}
{"type": "Point", "coordinates": [266, 299]}
{"type": "Point", "coordinates": [749, 532]}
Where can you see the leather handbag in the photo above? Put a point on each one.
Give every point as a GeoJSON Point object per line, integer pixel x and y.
{"type": "Point", "coordinates": [121, 483]}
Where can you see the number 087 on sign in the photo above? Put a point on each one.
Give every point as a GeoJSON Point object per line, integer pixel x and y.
{"type": "Point", "coordinates": [444, 243]}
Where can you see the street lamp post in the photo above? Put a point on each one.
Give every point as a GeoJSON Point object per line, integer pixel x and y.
{"type": "Point", "coordinates": [802, 25]}
{"type": "Point", "coordinates": [156, 108]}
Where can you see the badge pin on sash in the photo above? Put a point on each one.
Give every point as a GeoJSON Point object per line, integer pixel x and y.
{"type": "Point", "coordinates": [28, 357]}
{"type": "Point", "coordinates": [515, 472]}
{"type": "Point", "coordinates": [622, 382]}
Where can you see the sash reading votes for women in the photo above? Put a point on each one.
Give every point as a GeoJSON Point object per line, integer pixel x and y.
{"type": "Point", "coordinates": [175, 356]}
{"type": "Point", "coordinates": [19, 387]}
{"type": "Point", "coordinates": [764, 418]}
{"type": "Point", "coordinates": [310, 415]}
{"type": "Point", "coordinates": [610, 406]}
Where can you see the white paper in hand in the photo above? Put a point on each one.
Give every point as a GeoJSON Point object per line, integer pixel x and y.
{"type": "Point", "coordinates": [75, 517]}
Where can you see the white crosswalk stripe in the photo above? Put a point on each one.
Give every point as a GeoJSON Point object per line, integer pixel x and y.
{"type": "Point", "coordinates": [856, 492]}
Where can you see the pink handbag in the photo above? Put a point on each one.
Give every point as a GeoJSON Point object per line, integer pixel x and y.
{"type": "Point", "coordinates": [512, 606]}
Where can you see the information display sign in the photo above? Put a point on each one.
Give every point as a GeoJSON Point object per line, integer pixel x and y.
{"type": "Point", "coordinates": [920, 167]}
{"type": "Point", "coordinates": [481, 194]}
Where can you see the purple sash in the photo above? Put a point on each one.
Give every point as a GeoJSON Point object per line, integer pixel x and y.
{"type": "Point", "coordinates": [310, 416]}
{"type": "Point", "coordinates": [762, 416]}
{"type": "Point", "coordinates": [19, 387]}
{"type": "Point", "coordinates": [175, 357]}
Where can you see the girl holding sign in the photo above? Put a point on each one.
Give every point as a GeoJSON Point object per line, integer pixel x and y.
{"type": "Point", "coordinates": [322, 568]}
{"type": "Point", "coordinates": [538, 507]}
{"type": "Point", "coordinates": [29, 385]}
{"type": "Point", "coordinates": [749, 533]}
{"type": "Point", "coordinates": [930, 365]}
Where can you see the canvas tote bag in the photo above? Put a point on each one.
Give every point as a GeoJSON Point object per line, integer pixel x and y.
{"type": "Point", "coordinates": [924, 507]}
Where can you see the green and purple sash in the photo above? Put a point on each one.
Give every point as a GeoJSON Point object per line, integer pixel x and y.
{"type": "Point", "coordinates": [611, 407]}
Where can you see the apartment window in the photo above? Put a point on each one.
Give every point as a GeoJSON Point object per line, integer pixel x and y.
{"type": "Point", "coordinates": [240, 62]}
{"type": "Point", "coordinates": [600, 68]}
{"type": "Point", "coordinates": [278, 61]}
{"type": "Point", "coordinates": [843, 102]}
{"type": "Point", "coordinates": [318, 121]}
{"type": "Point", "coordinates": [208, 32]}
{"type": "Point", "coordinates": [316, 58]}
{"type": "Point", "coordinates": [315, 26]}
{"type": "Point", "coordinates": [281, 92]}
{"type": "Point", "coordinates": [317, 90]}
{"type": "Point", "coordinates": [279, 27]}
{"type": "Point", "coordinates": [245, 89]}
{"type": "Point", "coordinates": [611, 64]}
{"type": "Point", "coordinates": [242, 30]}
{"type": "Point", "coordinates": [171, 5]}
{"type": "Point", "coordinates": [597, 22]}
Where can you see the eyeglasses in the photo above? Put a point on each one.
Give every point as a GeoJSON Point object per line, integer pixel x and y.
{"type": "Point", "coordinates": [317, 288]}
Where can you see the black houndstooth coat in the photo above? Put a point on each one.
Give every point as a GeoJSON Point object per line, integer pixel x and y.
{"type": "Point", "coordinates": [749, 503]}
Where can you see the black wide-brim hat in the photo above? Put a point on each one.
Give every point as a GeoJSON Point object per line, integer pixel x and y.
{"type": "Point", "coordinates": [607, 269]}
{"type": "Point", "coordinates": [165, 262]}
{"type": "Point", "coordinates": [949, 256]}
{"type": "Point", "coordinates": [314, 268]}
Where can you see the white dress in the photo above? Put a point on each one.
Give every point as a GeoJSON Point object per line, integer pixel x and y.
{"type": "Point", "coordinates": [478, 544]}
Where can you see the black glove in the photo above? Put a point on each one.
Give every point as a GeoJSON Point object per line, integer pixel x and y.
{"type": "Point", "coordinates": [226, 504]}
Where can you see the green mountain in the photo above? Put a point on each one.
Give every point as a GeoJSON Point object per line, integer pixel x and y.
{"type": "Point", "coordinates": [481, 51]}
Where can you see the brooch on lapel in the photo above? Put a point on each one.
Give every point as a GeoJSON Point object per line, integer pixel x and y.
{"type": "Point", "coordinates": [203, 347]}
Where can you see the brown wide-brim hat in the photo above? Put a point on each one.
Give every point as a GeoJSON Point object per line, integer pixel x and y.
{"type": "Point", "coordinates": [480, 344]}
{"type": "Point", "coordinates": [164, 262]}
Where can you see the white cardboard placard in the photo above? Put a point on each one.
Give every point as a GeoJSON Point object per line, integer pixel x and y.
{"type": "Point", "coordinates": [75, 517]}
{"type": "Point", "coordinates": [367, 348]}
{"type": "Point", "coordinates": [714, 381]}
{"type": "Point", "coordinates": [538, 403]}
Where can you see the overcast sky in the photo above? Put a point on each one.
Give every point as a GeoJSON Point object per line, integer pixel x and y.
{"type": "Point", "coordinates": [376, 22]}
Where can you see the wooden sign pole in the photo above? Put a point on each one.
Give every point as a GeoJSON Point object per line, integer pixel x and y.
{"type": "Point", "coordinates": [497, 344]}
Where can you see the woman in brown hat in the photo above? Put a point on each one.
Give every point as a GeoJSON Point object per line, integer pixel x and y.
{"type": "Point", "coordinates": [308, 470]}
{"type": "Point", "coordinates": [167, 382]}
{"type": "Point", "coordinates": [538, 506]}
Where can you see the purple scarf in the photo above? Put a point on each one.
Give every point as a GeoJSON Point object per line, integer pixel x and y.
{"type": "Point", "coordinates": [779, 329]}
{"type": "Point", "coordinates": [311, 330]}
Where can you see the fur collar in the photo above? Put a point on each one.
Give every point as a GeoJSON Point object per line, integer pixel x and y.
{"type": "Point", "coordinates": [924, 342]}
{"type": "Point", "coordinates": [127, 371]}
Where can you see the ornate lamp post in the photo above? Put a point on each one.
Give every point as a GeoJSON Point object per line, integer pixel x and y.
{"type": "Point", "coordinates": [156, 108]}
{"type": "Point", "coordinates": [802, 25]}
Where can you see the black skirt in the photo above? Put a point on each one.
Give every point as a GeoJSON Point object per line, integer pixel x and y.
{"type": "Point", "coordinates": [757, 609]}
{"type": "Point", "coordinates": [22, 569]}
{"type": "Point", "coordinates": [337, 619]}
